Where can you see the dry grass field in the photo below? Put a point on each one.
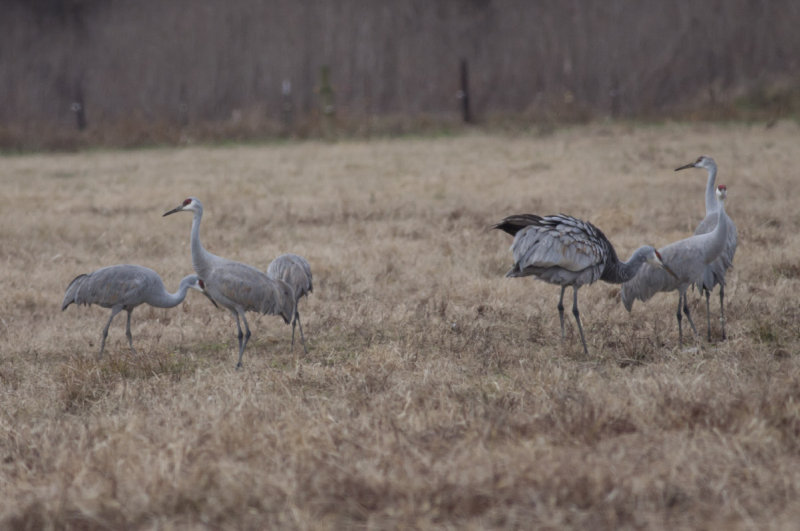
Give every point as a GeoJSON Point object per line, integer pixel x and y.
{"type": "Point", "coordinates": [436, 393]}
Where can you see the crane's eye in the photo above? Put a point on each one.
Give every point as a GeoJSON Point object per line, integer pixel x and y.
{"type": "Point", "coordinates": [186, 202]}
{"type": "Point", "coordinates": [202, 284]}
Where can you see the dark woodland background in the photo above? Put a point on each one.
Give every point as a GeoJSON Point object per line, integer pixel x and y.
{"type": "Point", "coordinates": [125, 72]}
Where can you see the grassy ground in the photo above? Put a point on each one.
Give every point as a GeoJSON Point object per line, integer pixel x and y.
{"type": "Point", "coordinates": [436, 393]}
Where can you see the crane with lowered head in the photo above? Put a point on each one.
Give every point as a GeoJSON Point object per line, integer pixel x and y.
{"type": "Point", "coordinates": [124, 287]}
{"type": "Point", "coordinates": [568, 251]}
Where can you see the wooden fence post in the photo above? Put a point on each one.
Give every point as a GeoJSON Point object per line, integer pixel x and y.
{"type": "Point", "coordinates": [463, 93]}
{"type": "Point", "coordinates": [287, 109]}
{"type": "Point", "coordinates": [79, 107]}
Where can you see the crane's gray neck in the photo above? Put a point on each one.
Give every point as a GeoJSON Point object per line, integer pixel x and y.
{"type": "Point", "coordinates": [718, 236]}
{"type": "Point", "coordinates": [164, 299]}
{"type": "Point", "coordinates": [200, 257]}
{"type": "Point", "coordinates": [711, 191]}
{"type": "Point", "coordinates": [617, 272]}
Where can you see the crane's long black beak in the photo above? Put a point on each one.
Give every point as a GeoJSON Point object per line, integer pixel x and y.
{"type": "Point", "coordinates": [203, 289]}
{"type": "Point", "coordinates": [668, 270]}
{"type": "Point", "coordinates": [212, 300]}
{"type": "Point", "coordinates": [690, 165]}
{"type": "Point", "coordinates": [176, 209]}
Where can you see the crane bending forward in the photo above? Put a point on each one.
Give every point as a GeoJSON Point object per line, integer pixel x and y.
{"type": "Point", "coordinates": [568, 251]}
{"type": "Point", "coordinates": [124, 287]}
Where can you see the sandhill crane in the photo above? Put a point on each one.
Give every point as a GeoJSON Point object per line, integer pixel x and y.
{"type": "Point", "coordinates": [688, 258]}
{"type": "Point", "coordinates": [714, 273]}
{"type": "Point", "coordinates": [124, 287]}
{"type": "Point", "coordinates": [295, 271]}
{"type": "Point", "coordinates": [567, 251]}
{"type": "Point", "coordinates": [233, 285]}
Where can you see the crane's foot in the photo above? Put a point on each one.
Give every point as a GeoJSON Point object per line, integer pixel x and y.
{"type": "Point", "coordinates": [239, 366]}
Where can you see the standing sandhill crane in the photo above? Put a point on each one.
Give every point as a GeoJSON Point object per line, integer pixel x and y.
{"type": "Point", "coordinates": [124, 287]}
{"type": "Point", "coordinates": [688, 258]}
{"type": "Point", "coordinates": [567, 251]}
{"type": "Point", "coordinates": [233, 285]}
{"type": "Point", "coordinates": [295, 271]}
{"type": "Point", "coordinates": [714, 273]}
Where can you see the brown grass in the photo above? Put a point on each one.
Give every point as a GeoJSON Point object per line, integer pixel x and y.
{"type": "Point", "coordinates": [436, 393]}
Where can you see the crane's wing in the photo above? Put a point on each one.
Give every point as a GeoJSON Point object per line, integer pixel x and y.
{"type": "Point", "coordinates": [714, 273]}
{"type": "Point", "coordinates": [648, 281]}
{"type": "Point", "coordinates": [707, 225]}
{"type": "Point", "coordinates": [234, 283]}
{"type": "Point", "coordinates": [560, 241]}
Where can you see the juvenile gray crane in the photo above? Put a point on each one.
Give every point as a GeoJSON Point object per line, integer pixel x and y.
{"type": "Point", "coordinates": [567, 251]}
{"type": "Point", "coordinates": [233, 285]}
{"type": "Point", "coordinates": [124, 287]}
{"type": "Point", "coordinates": [688, 258]}
{"type": "Point", "coordinates": [295, 271]}
{"type": "Point", "coordinates": [714, 273]}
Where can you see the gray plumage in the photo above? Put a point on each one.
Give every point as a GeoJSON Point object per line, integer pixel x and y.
{"type": "Point", "coordinates": [295, 271]}
{"type": "Point", "coordinates": [714, 274]}
{"type": "Point", "coordinates": [688, 259]}
{"type": "Point", "coordinates": [567, 251]}
{"type": "Point", "coordinates": [124, 287]}
{"type": "Point", "coordinates": [233, 285]}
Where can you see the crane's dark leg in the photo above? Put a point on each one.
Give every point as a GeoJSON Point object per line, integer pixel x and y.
{"type": "Point", "coordinates": [577, 315]}
{"type": "Point", "coordinates": [128, 331]}
{"type": "Point", "coordinates": [722, 309]}
{"type": "Point", "coordinates": [243, 344]}
{"type": "Point", "coordinates": [114, 311]}
{"type": "Point", "coordinates": [240, 336]}
{"type": "Point", "coordinates": [294, 322]}
{"type": "Point", "coordinates": [561, 310]}
{"type": "Point", "coordinates": [708, 312]}
{"type": "Point", "coordinates": [686, 311]}
{"type": "Point", "coordinates": [678, 315]}
{"type": "Point", "coordinates": [302, 338]}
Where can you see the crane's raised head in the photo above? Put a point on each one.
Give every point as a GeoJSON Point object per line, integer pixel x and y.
{"type": "Point", "coordinates": [722, 192]}
{"type": "Point", "coordinates": [190, 203]}
{"type": "Point", "coordinates": [701, 162]}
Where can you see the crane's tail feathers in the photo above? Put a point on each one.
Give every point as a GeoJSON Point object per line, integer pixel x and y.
{"type": "Point", "coordinates": [627, 300]}
{"type": "Point", "coordinates": [281, 301]}
{"type": "Point", "coordinates": [513, 224]}
{"type": "Point", "coordinates": [515, 272]}
{"type": "Point", "coordinates": [71, 295]}
{"type": "Point", "coordinates": [288, 308]}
